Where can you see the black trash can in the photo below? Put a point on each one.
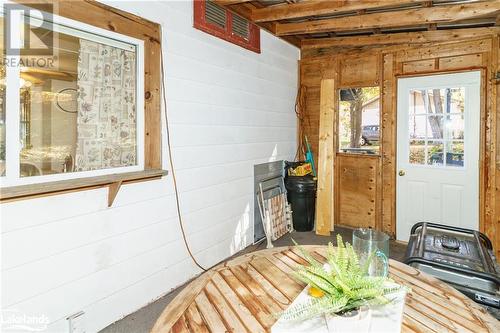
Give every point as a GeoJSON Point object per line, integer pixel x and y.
{"type": "Point", "coordinates": [302, 197]}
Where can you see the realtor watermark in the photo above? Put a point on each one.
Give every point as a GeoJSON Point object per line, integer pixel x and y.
{"type": "Point", "coordinates": [14, 320]}
{"type": "Point", "coordinates": [30, 39]}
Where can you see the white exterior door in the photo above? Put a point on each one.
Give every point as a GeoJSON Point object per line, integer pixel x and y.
{"type": "Point", "coordinates": [438, 151]}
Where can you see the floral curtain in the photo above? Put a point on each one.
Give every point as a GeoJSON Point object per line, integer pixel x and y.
{"type": "Point", "coordinates": [106, 122]}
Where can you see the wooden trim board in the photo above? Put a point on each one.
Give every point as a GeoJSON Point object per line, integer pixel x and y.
{"type": "Point", "coordinates": [324, 201]}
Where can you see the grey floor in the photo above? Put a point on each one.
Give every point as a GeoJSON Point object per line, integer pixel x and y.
{"type": "Point", "coordinates": [143, 319]}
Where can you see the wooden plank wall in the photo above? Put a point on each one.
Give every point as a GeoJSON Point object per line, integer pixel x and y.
{"type": "Point", "coordinates": [357, 190]}
{"type": "Point", "coordinates": [381, 66]}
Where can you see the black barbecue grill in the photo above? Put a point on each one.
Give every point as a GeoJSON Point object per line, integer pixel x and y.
{"type": "Point", "coordinates": [461, 257]}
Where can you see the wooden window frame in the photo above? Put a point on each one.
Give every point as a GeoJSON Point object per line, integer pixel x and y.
{"type": "Point", "coordinates": [199, 22]}
{"type": "Point", "coordinates": [13, 94]}
{"type": "Point", "coordinates": [112, 19]}
{"type": "Point", "coordinates": [338, 148]}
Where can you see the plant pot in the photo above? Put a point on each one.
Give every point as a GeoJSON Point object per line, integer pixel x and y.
{"type": "Point", "coordinates": [355, 321]}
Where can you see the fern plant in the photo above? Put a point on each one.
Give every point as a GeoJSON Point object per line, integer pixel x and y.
{"type": "Point", "coordinates": [344, 283]}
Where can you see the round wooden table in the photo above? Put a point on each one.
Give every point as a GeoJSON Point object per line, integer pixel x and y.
{"type": "Point", "coordinates": [241, 295]}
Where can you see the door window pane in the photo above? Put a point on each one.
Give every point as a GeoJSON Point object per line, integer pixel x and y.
{"type": "Point", "coordinates": [454, 127]}
{"type": "Point", "coordinates": [417, 152]}
{"type": "Point", "coordinates": [416, 105]}
{"type": "Point", "coordinates": [435, 124]}
{"type": "Point", "coordinates": [435, 153]}
{"type": "Point", "coordinates": [359, 120]}
{"type": "Point", "coordinates": [79, 112]}
{"type": "Point", "coordinates": [436, 127]}
{"type": "Point", "coordinates": [455, 154]}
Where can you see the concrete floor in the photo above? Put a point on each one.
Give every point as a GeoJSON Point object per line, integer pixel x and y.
{"type": "Point", "coordinates": [143, 319]}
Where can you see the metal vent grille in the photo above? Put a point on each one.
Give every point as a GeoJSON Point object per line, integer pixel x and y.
{"type": "Point", "coordinates": [240, 26]}
{"type": "Point", "coordinates": [215, 14]}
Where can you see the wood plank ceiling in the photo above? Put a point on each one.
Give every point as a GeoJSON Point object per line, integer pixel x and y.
{"type": "Point", "coordinates": [316, 23]}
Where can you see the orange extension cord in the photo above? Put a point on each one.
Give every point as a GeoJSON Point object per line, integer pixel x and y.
{"type": "Point", "coordinates": [172, 169]}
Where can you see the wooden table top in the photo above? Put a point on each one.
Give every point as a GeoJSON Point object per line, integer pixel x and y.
{"type": "Point", "coordinates": [243, 294]}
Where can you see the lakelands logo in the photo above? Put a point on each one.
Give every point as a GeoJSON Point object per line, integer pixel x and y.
{"type": "Point", "coordinates": [14, 320]}
{"type": "Point", "coordinates": [29, 29]}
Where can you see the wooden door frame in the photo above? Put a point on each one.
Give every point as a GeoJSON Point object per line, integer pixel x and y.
{"type": "Point", "coordinates": [484, 153]}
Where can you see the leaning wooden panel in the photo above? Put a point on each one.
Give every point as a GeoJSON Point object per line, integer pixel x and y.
{"type": "Point", "coordinates": [324, 201]}
{"type": "Point", "coordinates": [432, 305]}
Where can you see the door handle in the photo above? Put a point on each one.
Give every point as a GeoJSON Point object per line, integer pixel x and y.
{"type": "Point", "coordinates": [402, 172]}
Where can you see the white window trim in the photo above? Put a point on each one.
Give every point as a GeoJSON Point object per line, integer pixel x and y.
{"type": "Point", "coordinates": [82, 30]}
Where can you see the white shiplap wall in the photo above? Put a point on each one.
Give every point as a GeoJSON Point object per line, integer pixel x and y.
{"type": "Point", "coordinates": [229, 109]}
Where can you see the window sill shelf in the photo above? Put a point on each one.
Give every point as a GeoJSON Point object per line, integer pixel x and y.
{"type": "Point", "coordinates": [112, 181]}
{"type": "Point", "coordinates": [360, 154]}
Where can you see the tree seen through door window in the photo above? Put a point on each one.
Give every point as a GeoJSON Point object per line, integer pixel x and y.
{"type": "Point", "coordinates": [436, 127]}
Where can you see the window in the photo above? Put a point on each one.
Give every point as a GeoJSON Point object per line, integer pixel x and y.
{"type": "Point", "coordinates": [436, 127]}
{"type": "Point", "coordinates": [220, 22]}
{"type": "Point", "coordinates": [359, 120]}
{"type": "Point", "coordinates": [79, 111]}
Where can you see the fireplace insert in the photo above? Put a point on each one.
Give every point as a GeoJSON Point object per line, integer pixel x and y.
{"type": "Point", "coordinates": [461, 257]}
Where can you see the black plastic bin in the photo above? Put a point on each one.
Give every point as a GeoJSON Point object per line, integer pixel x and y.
{"type": "Point", "coordinates": [302, 198]}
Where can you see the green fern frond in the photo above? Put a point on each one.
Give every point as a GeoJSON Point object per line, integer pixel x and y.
{"type": "Point", "coordinates": [330, 253]}
{"type": "Point", "coordinates": [342, 259]}
{"type": "Point", "coordinates": [307, 256]}
{"type": "Point", "coordinates": [317, 282]}
{"type": "Point", "coordinates": [346, 283]}
{"type": "Point", "coordinates": [354, 260]}
{"type": "Point", "coordinates": [314, 307]}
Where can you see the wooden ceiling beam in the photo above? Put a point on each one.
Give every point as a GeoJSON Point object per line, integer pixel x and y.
{"type": "Point", "coordinates": [400, 38]}
{"type": "Point", "coordinates": [321, 7]}
{"type": "Point", "coordinates": [401, 18]}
